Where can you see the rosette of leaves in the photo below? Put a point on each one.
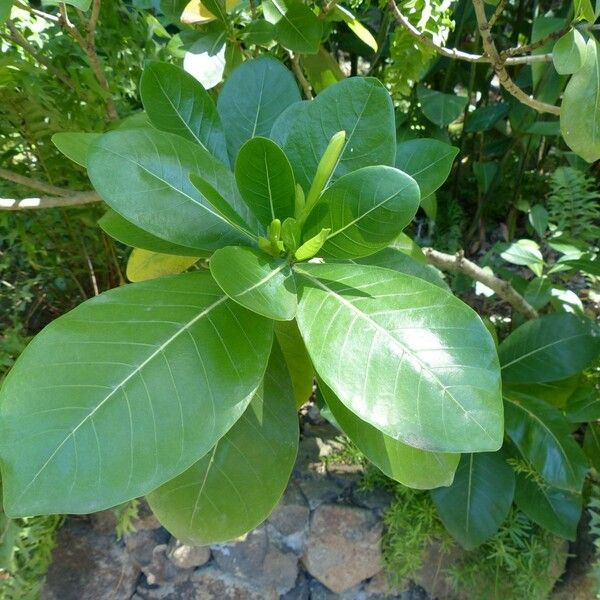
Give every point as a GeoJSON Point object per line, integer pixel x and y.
{"type": "Point", "coordinates": [184, 387]}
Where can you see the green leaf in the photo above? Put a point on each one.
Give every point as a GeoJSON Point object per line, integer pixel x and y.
{"type": "Point", "coordinates": [206, 58]}
{"type": "Point", "coordinates": [538, 218]}
{"type": "Point", "coordinates": [579, 118]}
{"type": "Point", "coordinates": [145, 264]}
{"type": "Point", "coordinates": [556, 510]}
{"type": "Point", "coordinates": [404, 355]}
{"type": "Point", "coordinates": [391, 258]}
{"type": "Point", "coordinates": [361, 107]}
{"type": "Point", "coordinates": [526, 253]}
{"type": "Point", "coordinates": [355, 26]}
{"type": "Point", "coordinates": [410, 466]}
{"type": "Point", "coordinates": [584, 10]}
{"type": "Point", "coordinates": [485, 173]}
{"type": "Point", "coordinates": [253, 96]}
{"type": "Point", "coordinates": [265, 179]}
{"type": "Point", "coordinates": [80, 4]}
{"type": "Point", "coordinates": [485, 117]}
{"type": "Point", "coordinates": [236, 485]}
{"type": "Point", "coordinates": [142, 174]}
{"type": "Point", "coordinates": [474, 507]}
{"type": "Point", "coordinates": [297, 28]}
{"type": "Point", "coordinates": [365, 211]}
{"type": "Point", "coordinates": [583, 405]}
{"type": "Point", "coordinates": [427, 161]}
{"type": "Point", "coordinates": [125, 232]}
{"type": "Point", "coordinates": [543, 437]}
{"type": "Point", "coordinates": [75, 145]}
{"type": "Point", "coordinates": [591, 444]}
{"type": "Point", "coordinates": [441, 109]}
{"type": "Point", "coordinates": [175, 102]}
{"type": "Point", "coordinates": [126, 392]}
{"type": "Point", "coordinates": [297, 360]}
{"type": "Point", "coordinates": [569, 52]}
{"type": "Point", "coordinates": [312, 245]}
{"type": "Point", "coordinates": [547, 349]}
{"type": "Point", "coordinates": [538, 292]}
{"type": "Point", "coordinates": [321, 69]}
{"type": "Point", "coordinates": [5, 8]}
{"type": "Point", "coordinates": [291, 234]}
{"type": "Point", "coordinates": [261, 33]}
{"type": "Point", "coordinates": [263, 284]}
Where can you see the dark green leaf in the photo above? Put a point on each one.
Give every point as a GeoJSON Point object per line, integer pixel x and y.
{"type": "Point", "coordinates": [583, 405]}
{"type": "Point", "coordinates": [474, 507]}
{"type": "Point", "coordinates": [404, 355]}
{"type": "Point", "coordinates": [175, 102]}
{"type": "Point", "coordinates": [255, 94]}
{"type": "Point", "coordinates": [556, 510]}
{"type": "Point", "coordinates": [365, 211]}
{"type": "Point", "coordinates": [143, 175]}
{"type": "Point", "coordinates": [543, 437]}
{"type": "Point", "coordinates": [131, 235]}
{"type": "Point", "coordinates": [485, 117]}
{"type": "Point", "coordinates": [75, 145]}
{"type": "Point", "coordinates": [547, 349]}
{"type": "Point", "coordinates": [591, 444]}
{"type": "Point", "coordinates": [259, 282]}
{"type": "Point", "coordinates": [485, 173]}
{"type": "Point", "coordinates": [5, 8]}
{"type": "Point", "coordinates": [569, 52]}
{"type": "Point", "coordinates": [427, 161]}
{"type": "Point", "coordinates": [441, 109]}
{"type": "Point", "coordinates": [236, 485]}
{"type": "Point", "coordinates": [125, 392]}
{"type": "Point", "coordinates": [538, 217]}
{"type": "Point", "coordinates": [265, 179]}
{"type": "Point", "coordinates": [410, 466]}
{"type": "Point", "coordinates": [361, 107]}
{"type": "Point", "coordinates": [297, 28]}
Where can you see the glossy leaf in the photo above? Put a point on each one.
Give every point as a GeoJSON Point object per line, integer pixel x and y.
{"type": "Point", "coordinates": [569, 52]}
{"type": "Point", "coordinates": [145, 264]}
{"type": "Point", "coordinates": [404, 355]}
{"type": "Point", "coordinates": [125, 392]}
{"type": "Point", "coordinates": [441, 109]}
{"type": "Point", "coordinates": [75, 145]}
{"type": "Point", "coordinates": [253, 96]}
{"type": "Point", "coordinates": [583, 405]}
{"type": "Point", "coordinates": [355, 26]}
{"type": "Point", "coordinates": [361, 107]}
{"type": "Point", "coordinates": [143, 175]}
{"type": "Point", "coordinates": [485, 173]}
{"type": "Point", "coordinates": [176, 103]}
{"type": "Point", "coordinates": [265, 179]}
{"type": "Point", "coordinates": [556, 510]}
{"type": "Point", "coordinates": [427, 161]}
{"type": "Point", "coordinates": [365, 211]}
{"type": "Point", "coordinates": [485, 117]}
{"type": "Point", "coordinates": [237, 484]}
{"type": "Point", "coordinates": [543, 437]}
{"type": "Point", "coordinates": [579, 122]}
{"type": "Point", "coordinates": [526, 253]}
{"type": "Point", "coordinates": [322, 70]}
{"type": "Point", "coordinates": [297, 27]}
{"type": "Point", "coordinates": [474, 507]}
{"type": "Point", "coordinates": [206, 59]}
{"type": "Point", "coordinates": [263, 284]}
{"type": "Point", "coordinates": [5, 8]}
{"type": "Point", "coordinates": [129, 234]}
{"type": "Point", "coordinates": [312, 246]}
{"type": "Point", "coordinates": [409, 466]}
{"type": "Point", "coordinates": [549, 348]}
{"type": "Point", "coordinates": [591, 444]}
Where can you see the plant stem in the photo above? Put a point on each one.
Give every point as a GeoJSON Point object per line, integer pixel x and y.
{"type": "Point", "coordinates": [65, 201]}
{"type": "Point", "coordinates": [459, 264]}
{"type": "Point", "coordinates": [306, 87]}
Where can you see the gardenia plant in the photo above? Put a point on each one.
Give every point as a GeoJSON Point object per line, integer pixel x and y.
{"type": "Point", "coordinates": [184, 388]}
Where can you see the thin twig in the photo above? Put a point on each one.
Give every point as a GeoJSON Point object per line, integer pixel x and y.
{"type": "Point", "coordinates": [528, 48]}
{"type": "Point", "coordinates": [295, 59]}
{"type": "Point", "coordinates": [459, 264]}
{"type": "Point", "coordinates": [88, 46]}
{"type": "Point", "coordinates": [499, 65]}
{"type": "Point", "coordinates": [498, 12]}
{"type": "Point", "coordinates": [34, 184]}
{"type": "Point", "coordinates": [16, 37]}
{"type": "Point", "coordinates": [74, 199]}
{"type": "Point", "coordinates": [36, 12]}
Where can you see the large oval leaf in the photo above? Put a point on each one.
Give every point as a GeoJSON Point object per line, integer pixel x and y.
{"type": "Point", "coordinates": [361, 107]}
{"type": "Point", "coordinates": [427, 161]}
{"type": "Point", "coordinates": [143, 175]}
{"type": "Point", "coordinates": [175, 102]}
{"type": "Point", "coordinates": [265, 180]}
{"type": "Point", "coordinates": [365, 211]}
{"type": "Point", "coordinates": [569, 52]}
{"type": "Point", "coordinates": [557, 510]}
{"type": "Point", "coordinates": [236, 485]}
{"type": "Point", "coordinates": [404, 355]}
{"type": "Point", "coordinates": [125, 392]}
{"type": "Point", "coordinates": [410, 466]}
{"type": "Point", "coordinates": [547, 349]}
{"type": "Point", "coordinates": [129, 234]}
{"type": "Point", "coordinates": [257, 281]}
{"type": "Point", "coordinates": [297, 27]}
{"type": "Point", "coordinates": [145, 264]}
{"type": "Point", "coordinates": [474, 507]}
{"type": "Point", "coordinates": [579, 112]}
{"type": "Point", "coordinates": [253, 96]}
{"type": "Point", "coordinates": [543, 437]}
{"type": "Point", "coordinates": [75, 145]}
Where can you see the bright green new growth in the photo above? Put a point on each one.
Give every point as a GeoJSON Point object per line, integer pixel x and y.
{"type": "Point", "coordinates": [174, 388]}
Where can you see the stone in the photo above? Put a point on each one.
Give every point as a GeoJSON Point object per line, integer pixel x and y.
{"type": "Point", "coordinates": [145, 518]}
{"type": "Point", "coordinates": [290, 519]}
{"type": "Point", "coordinates": [161, 570]}
{"type": "Point", "coordinates": [89, 564]}
{"type": "Point", "coordinates": [343, 546]}
{"type": "Point", "coordinates": [187, 557]}
{"type": "Point", "coordinates": [300, 591]}
{"type": "Point", "coordinates": [431, 574]}
{"type": "Point", "coordinates": [140, 544]}
{"type": "Point", "coordinates": [319, 489]}
{"type": "Point", "coordinates": [377, 499]}
{"type": "Point", "coordinates": [210, 583]}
